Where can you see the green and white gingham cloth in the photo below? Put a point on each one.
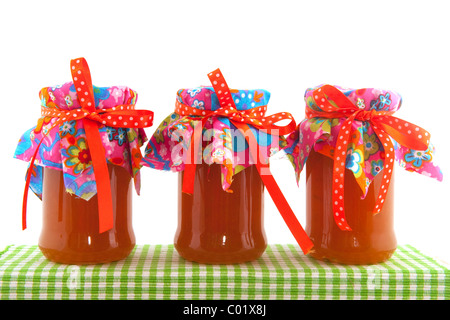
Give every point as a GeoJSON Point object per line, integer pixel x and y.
{"type": "Point", "coordinates": [283, 272]}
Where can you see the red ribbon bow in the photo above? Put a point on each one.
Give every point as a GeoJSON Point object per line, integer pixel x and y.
{"type": "Point", "coordinates": [124, 116]}
{"type": "Point", "coordinates": [385, 126]}
{"type": "Point", "coordinates": [242, 120]}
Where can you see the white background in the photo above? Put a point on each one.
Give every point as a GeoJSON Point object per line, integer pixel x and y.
{"type": "Point", "coordinates": [159, 47]}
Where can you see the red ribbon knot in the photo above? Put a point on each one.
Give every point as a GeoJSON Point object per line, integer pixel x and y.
{"type": "Point", "coordinates": [364, 115]}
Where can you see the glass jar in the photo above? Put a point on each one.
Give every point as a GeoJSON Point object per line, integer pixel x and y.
{"type": "Point", "coordinates": [70, 229]}
{"type": "Point", "coordinates": [372, 238]}
{"type": "Point", "coordinates": [218, 227]}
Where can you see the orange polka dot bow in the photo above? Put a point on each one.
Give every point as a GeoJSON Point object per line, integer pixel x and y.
{"type": "Point", "coordinates": [242, 120]}
{"type": "Point", "coordinates": [385, 126]}
{"type": "Point", "coordinates": [124, 116]}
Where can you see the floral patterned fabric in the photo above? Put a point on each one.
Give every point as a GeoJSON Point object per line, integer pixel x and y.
{"type": "Point", "coordinates": [222, 143]}
{"type": "Point", "coordinates": [65, 147]}
{"type": "Point", "coordinates": [365, 153]}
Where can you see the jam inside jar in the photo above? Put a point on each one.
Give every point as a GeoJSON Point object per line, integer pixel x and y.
{"type": "Point", "coordinates": [372, 238]}
{"type": "Point", "coordinates": [218, 227]}
{"type": "Point", "coordinates": [70, 228]}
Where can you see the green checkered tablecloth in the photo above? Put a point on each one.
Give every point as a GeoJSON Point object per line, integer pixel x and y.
{"type": "Point", "coordinates": [158, 272]}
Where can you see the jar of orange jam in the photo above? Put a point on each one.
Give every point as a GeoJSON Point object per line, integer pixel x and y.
{"type": "Point", "coordinates": [350, 142]}
{"type": "Point", "coordinates": [70, 225]}
{"type": "Point", "coordinates": [219, 227]}
{"type": "Point", "coordinates": [372, 238]}
{"type": "Point", "coordinates": [218, 141]}
{"type": "Point", "coordinates": [84, 153]}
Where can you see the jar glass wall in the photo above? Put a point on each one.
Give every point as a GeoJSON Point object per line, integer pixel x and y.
{"type": "Point", "coordinates": [372, 238]}
{"type": "Point", "coordinates": [70, 229]}
{"type": "Point", "coordinates": [218, 227]}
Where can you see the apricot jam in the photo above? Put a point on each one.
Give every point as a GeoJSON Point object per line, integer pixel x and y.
{"type": "Point", "coordinates": [70, 229]}
{"type": "Point", "coordinates": [372, 238]}
{"type": "Point", "coordinates": [217, 227]}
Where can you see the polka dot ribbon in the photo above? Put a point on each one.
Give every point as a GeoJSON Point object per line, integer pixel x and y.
{"type": "Point", "coordinates": [254, 116]}
{"type": "Point", "coordinates": [242, 120]}
{"type": "Point", "coordinates": [385, 126]}
{"type": "Point", "coordinates": [124, 116]}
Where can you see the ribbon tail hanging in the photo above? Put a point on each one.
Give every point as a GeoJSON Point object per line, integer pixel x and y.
{"type": "Point", "coordinates": [284, 208]}
{"type": "Point", "coordinates": [97, 151]}
{"type": "Point", "coordinates": [192, 152]}
{"type": "Point", "coordinates": [27, 186]}
{"type": "Point", "coordinates": [275, 193]}
{"type": "Point", "coordinates": [28, 177]}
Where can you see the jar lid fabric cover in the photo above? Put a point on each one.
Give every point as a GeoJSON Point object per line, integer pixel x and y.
{"type": "Point", "coordinates": [365, 153]}
{"type": "Point", "coordinates": [222, 142]}
{"type": "Point", "coordinates": [65, 147]}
